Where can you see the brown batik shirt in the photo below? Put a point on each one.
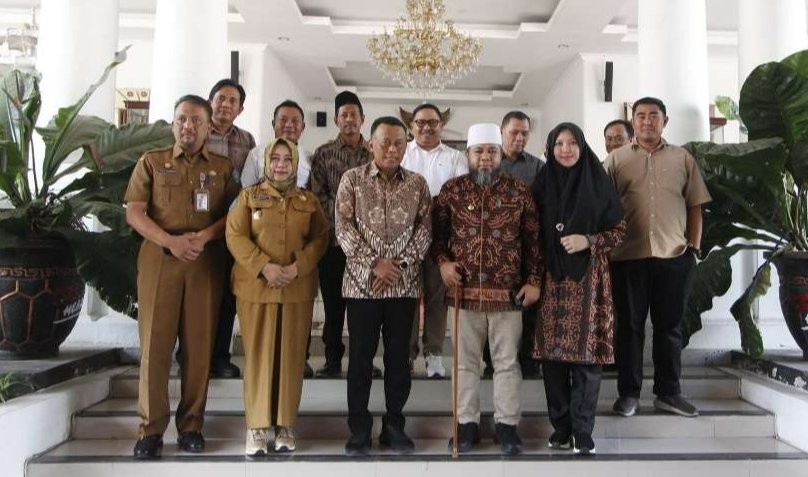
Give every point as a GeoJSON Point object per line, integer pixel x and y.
{"type": "Point", "coordinates": [235, 144]}
{"type": "Point", "coordinates": [493, 233]}
{"type": "Point", "coordinates": [328, 163]}
{"type": "Point", "coordinates": [382, 218]}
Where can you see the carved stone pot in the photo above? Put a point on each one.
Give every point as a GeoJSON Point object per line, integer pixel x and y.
{"type": "Point", "coordinates": [41, 294]}
{"type": "Point", "coordinates": [792, 267]}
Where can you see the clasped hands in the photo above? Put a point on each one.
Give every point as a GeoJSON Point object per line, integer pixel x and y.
{"type": "Point", "coordinates": [279, 276]}
{"type": "Point", "coordinates": [188, 246]}
{"type": "Point", "coordinates": [386, 272]}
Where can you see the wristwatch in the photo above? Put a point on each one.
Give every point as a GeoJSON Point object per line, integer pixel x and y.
{"type": "Point", "coordinates": [694, 249]}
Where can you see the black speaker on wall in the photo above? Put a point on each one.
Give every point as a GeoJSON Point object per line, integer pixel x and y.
{"type": "Point", "coordinates": [234, 66]}
{"type": "Point", "coordinates": [608, 81]}
{"type": "Point", "coordinates": [321, 119]}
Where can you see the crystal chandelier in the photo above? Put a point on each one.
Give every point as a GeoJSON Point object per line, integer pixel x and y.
{"type": "Point", "coordinates": [424, 52]}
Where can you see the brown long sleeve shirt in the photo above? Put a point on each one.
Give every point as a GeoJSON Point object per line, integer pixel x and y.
{"type": "Point", "coordinates": [493, 233]}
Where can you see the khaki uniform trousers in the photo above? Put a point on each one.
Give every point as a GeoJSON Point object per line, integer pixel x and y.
{"type": "Point", "coordinates": [176, 298]}
{"type": "Point", "coordinates": [503, 330]}
{"type": "Point", "coordinates": [275, 338]}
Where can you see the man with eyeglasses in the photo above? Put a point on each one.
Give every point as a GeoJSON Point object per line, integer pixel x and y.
{"type": "Point", "coordinates": [226, 139]}
{"type": "Point", "coordinates": [177, 200]}
{"type": "Point", "coordinates": [438, 163]}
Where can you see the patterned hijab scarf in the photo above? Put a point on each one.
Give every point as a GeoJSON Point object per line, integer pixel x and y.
{"type": "Point", "coordinates": [286, 184]}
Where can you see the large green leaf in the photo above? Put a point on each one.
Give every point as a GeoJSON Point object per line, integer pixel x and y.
{"type": "Point", "coordinates": [711, 278]}
{"type": "Point", "coordinates": [774, 103]}
{"type": "Point", "coordinates": [66, 132]}
{"type": "Point", "coordinates": [743, 312]}
{"type": "Point", "coordinates": [20, 102]}
{"type": "Point", "coordinates": [120, 149]}
{"type": "Point", "coordinates": [746, 183]}
{"type": "Point", "coordinates": [106, 262]}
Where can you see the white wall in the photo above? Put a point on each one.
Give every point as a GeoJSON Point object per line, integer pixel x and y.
{"type": "Point", "coordinates": [565, 102]}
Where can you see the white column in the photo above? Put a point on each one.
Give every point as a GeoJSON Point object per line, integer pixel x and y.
{"type": "Point", "coordinates": [190, 51]}
{"type": "Point", "coordinates": [672, 62]}
{"type": "Point", "coordinates": [77, 40]}
{"type": "Point", "coordinates": [768, 31]}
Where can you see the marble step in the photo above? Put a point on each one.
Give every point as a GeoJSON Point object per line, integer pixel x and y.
{"type": "Point", "coordinates": [697, 383]}
{"type": "Point", "coordinates": [117, 419]}
{"type": "Point", "coordinates": [624, 457]}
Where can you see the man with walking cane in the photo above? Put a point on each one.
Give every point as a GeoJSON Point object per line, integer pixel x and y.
{"type": "Point", "coordinates": [486, 242]}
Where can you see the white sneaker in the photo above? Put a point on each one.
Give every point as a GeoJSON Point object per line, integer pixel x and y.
{"type": "Point", "coordinates": [257, 442]}
{"type": "Point", "coordinates": [284, 439]}
{"type": "Point", "coordinates": [434, 366]}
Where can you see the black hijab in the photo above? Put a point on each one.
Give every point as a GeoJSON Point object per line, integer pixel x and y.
{"type": "Point", "coordinates": [578, 200]}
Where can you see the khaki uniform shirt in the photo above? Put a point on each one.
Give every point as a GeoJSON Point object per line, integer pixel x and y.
{"type": "Point", "coordinates": [265, 227]}
{"type": "Point", "coordinates": [656, 189]}
{"type": "Point", "coordinates": [166, 180]}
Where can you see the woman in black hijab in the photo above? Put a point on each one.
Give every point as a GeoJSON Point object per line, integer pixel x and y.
{"type": "Point", "coordinates": [581, 221]}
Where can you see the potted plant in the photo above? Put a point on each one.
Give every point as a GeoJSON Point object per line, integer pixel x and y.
{"type": "Point", "coordinates": [760, 202]}
{"type": "Point", "coordinates": [47, 251]}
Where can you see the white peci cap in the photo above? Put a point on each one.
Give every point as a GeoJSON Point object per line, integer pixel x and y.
{"type": "Point", "coordinates": [484, 133]}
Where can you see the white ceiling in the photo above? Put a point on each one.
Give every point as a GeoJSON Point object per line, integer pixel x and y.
{"type": "Point", "coordinates": [526, 43]}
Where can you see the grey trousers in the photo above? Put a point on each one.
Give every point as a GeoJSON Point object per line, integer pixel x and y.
{"type": "Point", "coordinates": [434, 312]}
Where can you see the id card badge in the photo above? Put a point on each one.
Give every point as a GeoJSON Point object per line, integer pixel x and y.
{"type": "Point", "coordinates": [202, 195]}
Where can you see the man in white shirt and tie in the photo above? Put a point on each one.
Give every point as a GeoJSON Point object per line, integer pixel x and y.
{"type": "Point", "coordinates": [438, 163]}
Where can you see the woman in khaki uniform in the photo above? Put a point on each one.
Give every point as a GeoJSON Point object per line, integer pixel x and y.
{"type": "Point", "coordinates": [277, 234]}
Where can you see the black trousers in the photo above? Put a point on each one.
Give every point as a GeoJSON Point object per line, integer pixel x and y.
{"type": "Point", "coordinates": [572, 395]}
{"type": "Point", "coordinates": [658, 285]}
{"type": "Point", "coordinates": [227, 315]}
{"type": "Point", "coordinates": [331, 268]}
{"type": "Point", "coordinates": [392, 317]}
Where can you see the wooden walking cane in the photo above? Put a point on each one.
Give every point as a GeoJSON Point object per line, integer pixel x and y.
{"type": "Point", "coordinates": [455, 334]}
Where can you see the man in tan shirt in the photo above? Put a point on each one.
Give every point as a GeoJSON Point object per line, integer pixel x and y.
{"type": "Point", "coordinates": [177, 200]}
{"type": "Point", "coordinates": [661, 189]}
{"type": "Point", "coordinates": [383, 226]}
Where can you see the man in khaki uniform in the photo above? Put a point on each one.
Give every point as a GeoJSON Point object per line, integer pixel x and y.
{"type": "Point", "coordinates": [177, 200]}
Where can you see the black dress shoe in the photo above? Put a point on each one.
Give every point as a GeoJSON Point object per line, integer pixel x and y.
{"type": "Point", "coordinates": [507, 437]}
{"type": "Point", "coordinates": [376, 373]}
{"type": "Point", "coordinates": [395, 438]}
{"type": "Point", "coordinates": [468, 436]}
{"type": "Point", "coordinates": [148, 447]}
{"type": "Point", "coordinates": [224, 369]}
{"type": "Point", "coordinates": [358, 445]}
{"type": "Point", "coordinates": [329, 371]}
{"type": "Point", "coordinates": [191, 442]}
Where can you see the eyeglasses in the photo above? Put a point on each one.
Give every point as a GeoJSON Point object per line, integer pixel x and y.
{"type": "Point", "coordinates": [433, 123]}
{"type": "Point", "coordinates": [193, 120]}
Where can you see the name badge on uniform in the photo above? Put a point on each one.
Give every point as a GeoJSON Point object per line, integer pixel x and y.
{"type": "Point", "coordinates": [202, 194]}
